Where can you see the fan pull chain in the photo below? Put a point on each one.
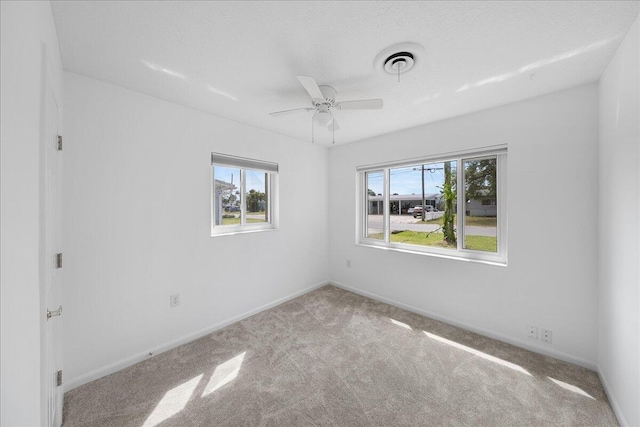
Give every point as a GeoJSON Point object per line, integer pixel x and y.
{"type": "Point", "coordinates": [313, 141]}
{"type": "Point", "coordinates": [333, 129]}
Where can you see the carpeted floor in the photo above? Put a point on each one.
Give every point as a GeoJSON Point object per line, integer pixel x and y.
{"type": "Point", "coordinates": [332, 357]}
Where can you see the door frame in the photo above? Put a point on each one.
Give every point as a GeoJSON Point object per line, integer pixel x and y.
{"type": "Point", "coordinates": [49, 129]}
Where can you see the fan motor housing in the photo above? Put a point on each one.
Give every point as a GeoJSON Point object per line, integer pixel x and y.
{"type": "Point", "coordinates": [329, 93]}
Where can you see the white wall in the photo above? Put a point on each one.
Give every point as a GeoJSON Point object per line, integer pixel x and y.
{"type": "Point", "coordinates": [27, 30]}
{"type": "Point", "coordinates": [619, 216]}
{"type": "Point", "coordinates": [137, 185]}
{"type": "Point", "coordinates": [551, 277]}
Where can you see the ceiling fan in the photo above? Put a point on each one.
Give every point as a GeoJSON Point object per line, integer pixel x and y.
{"type": "Point", "coordinates": [323, 101]}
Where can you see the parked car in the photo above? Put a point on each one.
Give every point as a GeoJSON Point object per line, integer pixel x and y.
{"type": "Point", "coordinates": [417, 210]}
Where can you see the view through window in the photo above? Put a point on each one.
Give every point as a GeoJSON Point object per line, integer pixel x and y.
{"type": "Point", "coordinates": [243, 191]}
{"type": "Point", "coordinates": [452, 205]}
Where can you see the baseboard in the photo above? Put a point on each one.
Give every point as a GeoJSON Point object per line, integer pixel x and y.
{"type": "Point", "coordinates": [612, 399]}
{"type": "Point", "coordinates": [139, 357]}
{"type": "Point", "coordinates": [488, 333]}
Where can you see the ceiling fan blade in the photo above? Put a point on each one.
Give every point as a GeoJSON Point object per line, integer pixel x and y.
{"type": "Point", "coordinates": [310, 85]}
{"type": "Point", "coordinates": [361, 104]}
{"type": "Point", "coordinates": [277, 113]}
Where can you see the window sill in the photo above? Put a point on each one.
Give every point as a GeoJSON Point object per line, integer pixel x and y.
{"type": "Point", "coordinates": [236, 231]}
{"type": "Point", "coordinates": [484, 260]}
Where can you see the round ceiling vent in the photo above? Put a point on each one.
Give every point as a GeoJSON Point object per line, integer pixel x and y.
{"type": "Point", "coordinates": [399, 58]}
{"type": "Point", "coordinates": [398, 63]}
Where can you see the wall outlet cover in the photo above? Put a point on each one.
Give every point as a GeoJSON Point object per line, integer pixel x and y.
{"type": "Point", "coordinates": [546, 336]}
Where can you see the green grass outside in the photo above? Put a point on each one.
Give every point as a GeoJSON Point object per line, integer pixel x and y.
{"type": "Point", "coordinates": [478, 221]}
{"type": "Point", "coordinates": [230, 221]}
{"type": "Point", "coordinates": [478, 243]}
{"type": "Point", "coordinates": [482, 243]}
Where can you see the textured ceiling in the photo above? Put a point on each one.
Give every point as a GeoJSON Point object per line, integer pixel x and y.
{"type": "Point", "coordinates": [240, 59]}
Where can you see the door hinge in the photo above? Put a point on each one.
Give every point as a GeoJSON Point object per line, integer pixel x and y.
{"type": "Point", "coordinates": [59, 378]}
{"type": "Point", "coordinates": [59, 260]}
{"type": "Point", "coordinates": [54, 313]}
{"type": "Point", "coordinates": [59, 142]}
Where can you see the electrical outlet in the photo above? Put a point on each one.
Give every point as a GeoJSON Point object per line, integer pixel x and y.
{"type": "Point", "coordinates": [546, 335]}
{"type": "Point", "coordinates": [174, 300]}
{"type": "Point", "coordinates": [532, 332]}
{"type": "Point", "coordinates": [348, 263]}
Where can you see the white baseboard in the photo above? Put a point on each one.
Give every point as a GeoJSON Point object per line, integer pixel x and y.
{"type": "Point", "coordinates": [139, 357]}
{"type": "Point", "coordinates": [488, 333]}
{"type": "Point", "coordinates": [612, 400]}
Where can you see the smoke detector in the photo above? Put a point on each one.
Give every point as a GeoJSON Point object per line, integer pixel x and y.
{"type": "Point", "coordinates": [399, 59]}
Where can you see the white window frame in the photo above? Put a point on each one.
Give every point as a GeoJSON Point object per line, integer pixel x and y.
{"type": "Point", "coordinates": [243, 164]}
{"type": "Point", "coordinates": [497, 258]}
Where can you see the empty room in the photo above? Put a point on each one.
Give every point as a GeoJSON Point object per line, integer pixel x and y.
{"type": "Point", "coordinates": [300, 213]}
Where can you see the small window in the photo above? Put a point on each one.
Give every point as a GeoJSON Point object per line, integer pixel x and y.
{"type": "Point", "coordinates": [243, 196]}
{"type": "Point", "coordinates": [452, 205]}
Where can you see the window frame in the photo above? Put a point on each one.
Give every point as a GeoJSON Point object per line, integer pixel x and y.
{"type": "Point", "coordinates": [461, 253]}
{"type": "Point", "coordinates": [271, 188]}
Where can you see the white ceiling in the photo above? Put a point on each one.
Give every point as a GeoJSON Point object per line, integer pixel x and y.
{"type": "Point", "coordinates": [240, 59]}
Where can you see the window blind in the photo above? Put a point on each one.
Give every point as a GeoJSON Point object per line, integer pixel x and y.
{"type": "Point", "coordinates": [243, 163]}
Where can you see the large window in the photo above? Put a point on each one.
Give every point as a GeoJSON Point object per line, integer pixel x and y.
{"type": "Point", "coordinates": [243, 196]}
{"type": "Point", "coordinates": [450, 205]}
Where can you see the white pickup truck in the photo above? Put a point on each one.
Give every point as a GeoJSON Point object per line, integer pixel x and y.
{"type": "Point", "coordinates": [417, 210]}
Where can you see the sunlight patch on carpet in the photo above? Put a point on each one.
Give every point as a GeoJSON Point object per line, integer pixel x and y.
{"type": "Point", "coordinates": [172, 402]}
{"type": "Point", "coordinates": [479, 353]}
{"type": "Point", "coordinates": [404, 325]}
{"type": "Point", "coordinates": [572, 388]}
{"type": "Point", "coordinates": [224, 374]}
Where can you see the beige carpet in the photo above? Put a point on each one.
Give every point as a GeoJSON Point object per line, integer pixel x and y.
{"type": "Point", "coordinates": [332, 357]}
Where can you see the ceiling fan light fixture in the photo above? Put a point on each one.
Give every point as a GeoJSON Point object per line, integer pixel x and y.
{"type": "Point", "coordinates": [323, 101]}
{"type": "Point", "coordinates": [323, 118]}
